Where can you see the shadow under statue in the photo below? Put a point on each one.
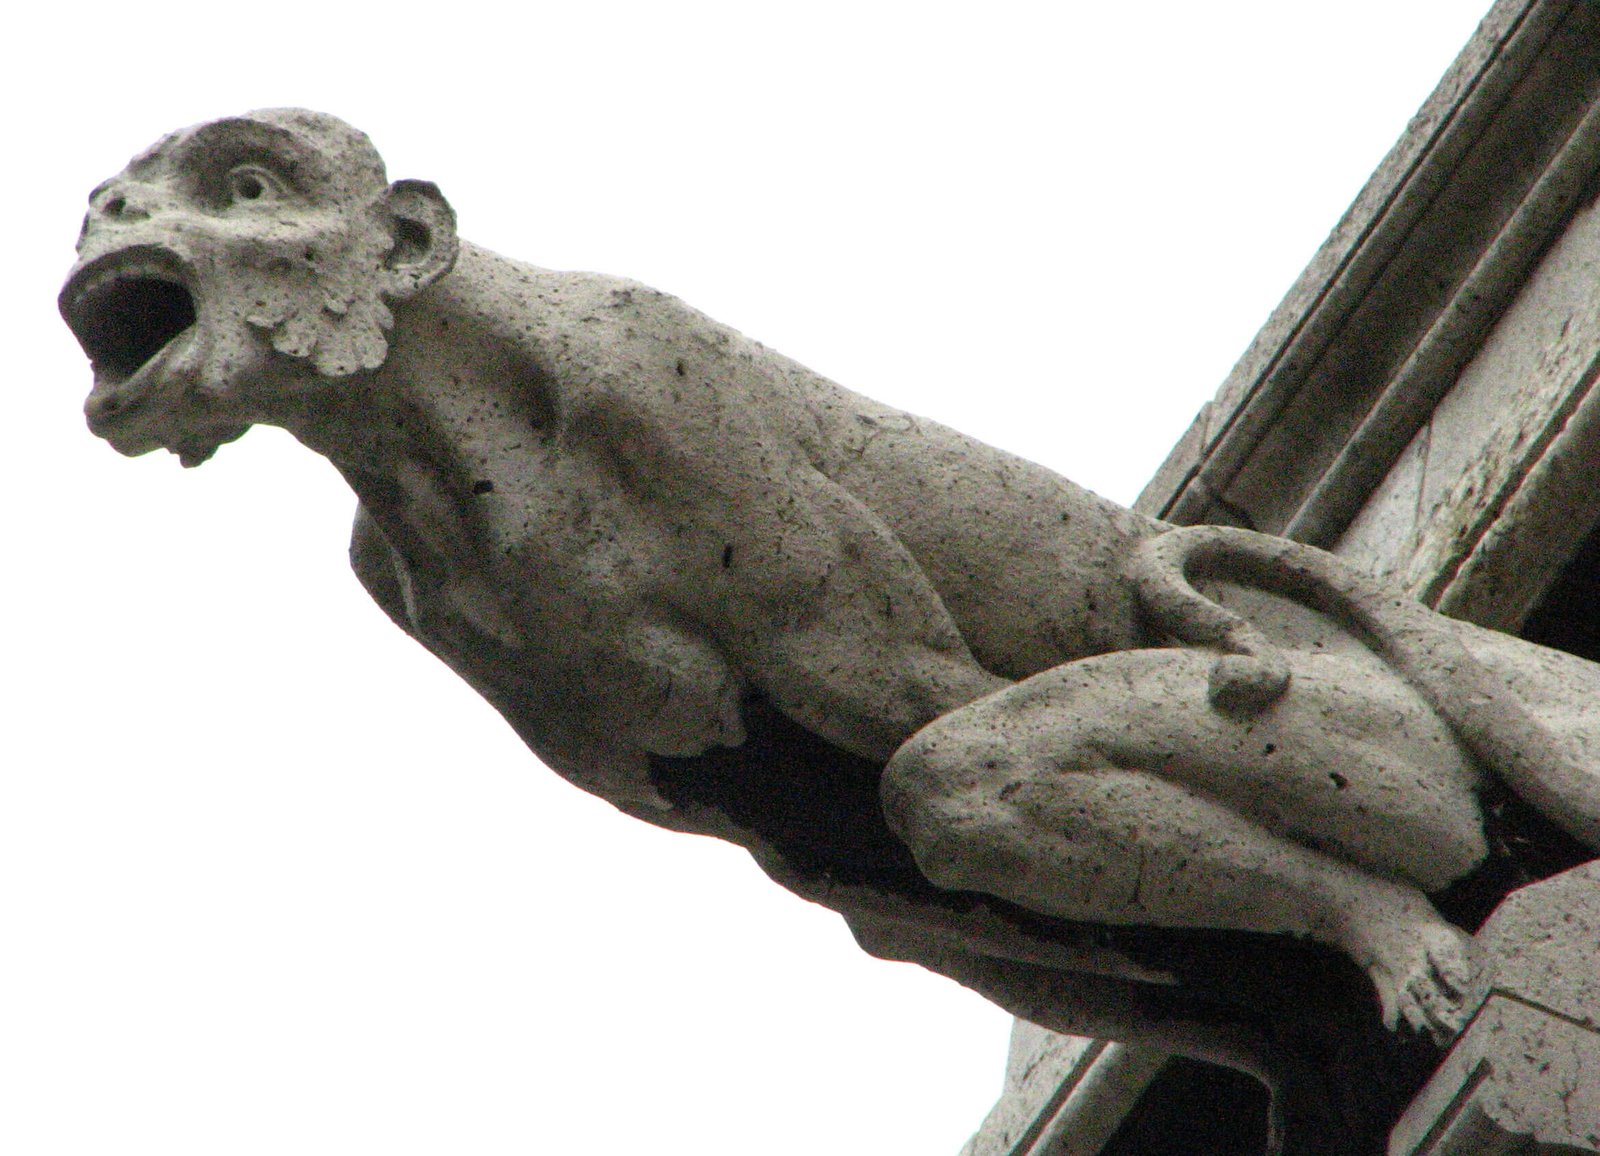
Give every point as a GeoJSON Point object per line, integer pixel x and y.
{"type": "Point", "coordinates": [1177, 786]}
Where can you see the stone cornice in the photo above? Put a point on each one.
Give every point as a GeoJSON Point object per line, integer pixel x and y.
{"type": "Point", "coordinates": [1404, 291]}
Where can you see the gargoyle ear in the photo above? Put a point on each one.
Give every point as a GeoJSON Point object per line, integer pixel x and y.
{"type": "Point", "coordinates": [423, 241]}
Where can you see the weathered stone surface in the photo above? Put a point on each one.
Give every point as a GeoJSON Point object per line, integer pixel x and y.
{"type": "Point", "coordinates": [1396, 303]}
{"type": "Point", "coordinates": [1542, 946]}
{"type": "Point", "coordinates": [1503, 421]}
{"type": "Point", "coordinates": [1525, 1076]}
{"type": "Point", "coordinates": [1041, 1068]}
{"type": "Point", "coordinates": [1442, 337]}
{"type": "Point", "coordinates": [1105, 771]}
{"type": "Point", "coordinates": [1520, 1082]}
{"type": "Point", "coordinates": [1051, 1079]}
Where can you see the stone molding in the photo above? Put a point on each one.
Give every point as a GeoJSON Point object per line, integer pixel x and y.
{"type": "Point", "coordinates": [1403, 293]}
{"type": "Point", "coordinates": [1064, 1095]}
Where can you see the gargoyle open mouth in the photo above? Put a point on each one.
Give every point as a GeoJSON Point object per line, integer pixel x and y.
{"type": "Point", "coordinates": [125, 309]}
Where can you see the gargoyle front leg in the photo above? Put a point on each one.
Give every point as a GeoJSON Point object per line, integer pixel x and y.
{"type": "Point", "coordinates": [1112, 790]}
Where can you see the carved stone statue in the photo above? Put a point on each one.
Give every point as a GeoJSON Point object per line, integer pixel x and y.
{"type": "Point", "coordinates": [1105, 771]}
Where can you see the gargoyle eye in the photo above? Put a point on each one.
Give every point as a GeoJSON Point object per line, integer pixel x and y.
{"type": "Point", "coordinates": [248, 184]}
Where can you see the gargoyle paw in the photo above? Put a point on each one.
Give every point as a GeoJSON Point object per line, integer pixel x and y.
{"type": "Point", "coordinates": [1427, 987]}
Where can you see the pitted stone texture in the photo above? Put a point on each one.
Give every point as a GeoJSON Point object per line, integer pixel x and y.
{"type": "Point", "coordinates": [1542, 946]}
{"type": "Point", "coordinates": [1012, 731]}
{"type": "Point", "coordinates": [1064, 1096]}
{"type": "Point", "coordinates": [1525, 1076]}
{"type": "Point", "coordinates": [1520, 1082]}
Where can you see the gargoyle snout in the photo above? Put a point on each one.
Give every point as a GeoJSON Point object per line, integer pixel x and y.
{"type": "Point", "coordinates": [102, 407]}
{"type": "Point", "coordinates": [123, 200]}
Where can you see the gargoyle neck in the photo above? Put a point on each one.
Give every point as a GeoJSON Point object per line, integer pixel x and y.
{"type": "Point", "coordinates": [451, 380]}
{"type": "Point", "coordinates": [413, 438]}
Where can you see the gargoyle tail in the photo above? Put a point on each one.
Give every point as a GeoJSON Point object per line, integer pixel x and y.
{"type": "Point", "coordinates": [1419, 644]}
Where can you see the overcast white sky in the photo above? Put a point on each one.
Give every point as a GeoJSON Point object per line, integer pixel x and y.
{"type": "Point", "coordinates": [271, 879]}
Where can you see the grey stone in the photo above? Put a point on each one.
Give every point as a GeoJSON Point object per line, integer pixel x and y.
{"type": "Point", "coordinates": [1052, 1079]}
{"type": "Point", "coordinates": [1525, 1075]}
{"type": "Point", "coordinates": [1392, 308]}
{"type": "Point", "coordinates": [1542, 946]}
{"type": "Point", "coordinates": [736, 599]}
{"type": "Point", "coordinates": [1501, 428]}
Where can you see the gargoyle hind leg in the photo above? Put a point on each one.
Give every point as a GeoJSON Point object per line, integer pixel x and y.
{"type": "Point", "coordinates": [1110, 790]}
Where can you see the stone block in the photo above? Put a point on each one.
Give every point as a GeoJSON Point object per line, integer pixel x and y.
{"type": "Point", "coordinates": [1524, 1078]}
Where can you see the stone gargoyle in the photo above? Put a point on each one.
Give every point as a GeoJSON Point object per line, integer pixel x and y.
{"type": "Point", "coordinates": [1127, 780]}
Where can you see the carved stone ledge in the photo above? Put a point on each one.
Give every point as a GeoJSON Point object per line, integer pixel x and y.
{"type": "Point", "coordinates": [1524, 1078]}
{"type": "Point", "coordinates": [1522, 1081]}
{"type": "Point", "coordinates": [1064, 1096]}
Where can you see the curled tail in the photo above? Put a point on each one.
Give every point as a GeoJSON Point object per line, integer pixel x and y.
{"type": "Point", "coordinates": [1416, 642]}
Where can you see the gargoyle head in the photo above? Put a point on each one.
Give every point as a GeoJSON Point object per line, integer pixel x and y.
{"type": "Point", "coordinates": [234, 266]}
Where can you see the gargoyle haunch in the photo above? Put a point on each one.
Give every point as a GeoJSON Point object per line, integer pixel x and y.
{"type": "Point", "coordinates": [991, 718]}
